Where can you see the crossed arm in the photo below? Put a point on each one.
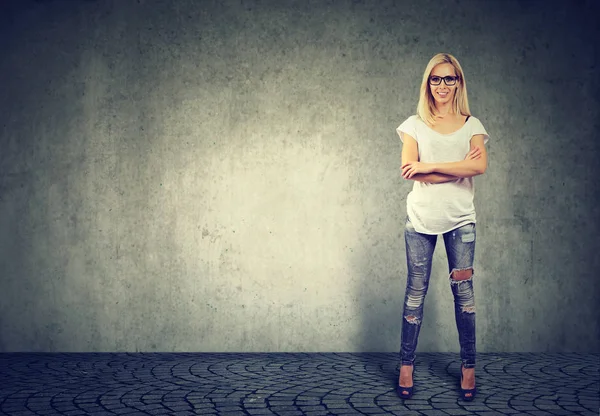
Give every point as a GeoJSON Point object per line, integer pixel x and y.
{"type": "Point", "coordinates": [475, 163]}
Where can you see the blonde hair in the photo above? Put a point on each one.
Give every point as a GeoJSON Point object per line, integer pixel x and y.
{"type": "Point", "coordinates": [460, 103]}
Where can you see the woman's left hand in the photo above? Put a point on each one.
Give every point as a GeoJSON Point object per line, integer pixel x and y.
{"type": "Point", "coordinates": [412, 168]}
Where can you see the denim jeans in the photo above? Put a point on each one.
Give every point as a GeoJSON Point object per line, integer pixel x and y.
{"type": "Point", "coordinates": [460, 249]}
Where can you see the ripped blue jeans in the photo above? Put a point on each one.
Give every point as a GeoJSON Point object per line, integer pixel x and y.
{"type": "Point", "coordinates": [460, 249]}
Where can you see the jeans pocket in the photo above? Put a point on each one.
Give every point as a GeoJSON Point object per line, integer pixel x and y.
{"type": "Point", "coordinates": [468, 237]}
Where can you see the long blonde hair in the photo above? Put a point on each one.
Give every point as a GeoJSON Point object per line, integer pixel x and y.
{"type": "Point", "coordinates": [460, 103]}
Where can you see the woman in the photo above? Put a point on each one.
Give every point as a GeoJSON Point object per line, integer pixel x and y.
{"type": "Point", "coordinates": [443, 149]}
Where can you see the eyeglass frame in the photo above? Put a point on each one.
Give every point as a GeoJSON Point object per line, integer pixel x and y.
{"type": "Point", "coordinates": [456, 78]}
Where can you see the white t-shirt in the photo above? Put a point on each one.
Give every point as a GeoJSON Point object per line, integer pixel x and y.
{"type": "Point", "coordinates": [436, 208]}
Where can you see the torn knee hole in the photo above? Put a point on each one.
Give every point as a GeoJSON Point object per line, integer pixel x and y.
{"type": "Point", "coordinates": [468, 309]}
{"type": "Point", "coordinates": [412, 319]}
{"type": "Point", "coordinates": [464, 274]}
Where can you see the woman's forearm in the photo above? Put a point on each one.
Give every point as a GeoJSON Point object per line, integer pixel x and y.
{"type": "Point", "coordinates": [462, 169]}
{"type": "Point", "coordinates": [433, 177]}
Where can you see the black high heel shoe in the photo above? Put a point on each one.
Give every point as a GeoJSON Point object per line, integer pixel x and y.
{"type": "Point", "coordinates": [464, 392]}
{"type": "Point", "coordinates": [409, 390]}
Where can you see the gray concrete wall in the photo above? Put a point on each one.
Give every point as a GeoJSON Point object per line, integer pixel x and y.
{"type": "Point", "coordinates": [224, 176]}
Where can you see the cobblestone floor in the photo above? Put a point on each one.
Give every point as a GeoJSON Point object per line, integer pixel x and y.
{"type": "Point", "coordinates": [289, 384]}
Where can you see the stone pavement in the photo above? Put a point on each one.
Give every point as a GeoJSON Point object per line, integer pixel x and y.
{"type": "Point", "coordinates": [289, 384]}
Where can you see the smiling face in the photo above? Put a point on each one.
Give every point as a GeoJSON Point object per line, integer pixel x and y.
{"type": "Point", "coordinates": [442, 93]}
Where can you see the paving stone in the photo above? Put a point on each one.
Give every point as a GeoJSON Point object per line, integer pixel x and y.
{"type": "Point", "coordinates": [312, 408]}
{"type": "Point", "coordinates": [264, 411]}
{"type": "Point", "coordinates": [329, 402]}
{"type": "Point", "coordinates": [371, 410]}
{"type": "Point", "coordinates": [124, 411]}
{"type": "Point", "coordinates": [528, 408]}
{"type": "Point", "coordinates": [346, 410]}
{"type": "Point", "coordinates": [291, 384]}
{"type": "Point", "coordinates": [365, 403]}
{"type": "Point", "coordinates": [229, 408]}
{"type": "Point", "coordinates": [521, 402]}
{"type": "Point", "coordinates": [274, 403]}
{"type": "Point", "coordinates": [457, 412]}
{"type": "Point", "coordinates": [486, 413]}
{"type": "Point", "coordinates": [548, 406]}
{"type": "Point", "coordinates": [417, 406]}
{"type": "Point", "coordinates": [446, 405]}
{"type": "Point", "coordinates": [475, 407]}
{"type": "Point", "coordinates": [255, 405]}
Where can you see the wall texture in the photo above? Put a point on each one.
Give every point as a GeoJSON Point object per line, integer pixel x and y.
{"type": "Point", "coordinates": [224, 176]}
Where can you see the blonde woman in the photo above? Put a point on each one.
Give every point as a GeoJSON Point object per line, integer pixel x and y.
{"type": "Point", "coordinates": [443, 149]}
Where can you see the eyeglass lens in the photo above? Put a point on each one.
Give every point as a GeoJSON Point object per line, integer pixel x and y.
{"type": "Point", "coordinates": [447, 80]}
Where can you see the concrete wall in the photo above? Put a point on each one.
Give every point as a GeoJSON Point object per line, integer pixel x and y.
{"type": "Point", "coordinates": [224, 176]}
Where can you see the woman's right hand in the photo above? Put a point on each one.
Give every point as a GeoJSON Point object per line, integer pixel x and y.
{"type": "Point", "coordinates": [474, 154]}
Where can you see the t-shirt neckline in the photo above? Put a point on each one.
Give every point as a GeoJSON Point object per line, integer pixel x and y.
{"type": "Point", "coordinates": [448, 134]}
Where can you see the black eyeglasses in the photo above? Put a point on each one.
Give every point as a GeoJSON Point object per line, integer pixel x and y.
{"type": "Point", "coordinates": [435, 80]}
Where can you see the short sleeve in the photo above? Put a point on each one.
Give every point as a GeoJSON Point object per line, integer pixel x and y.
{"type": "Point", "coordinates": [477, 128]}
{"type": "Point", "coordinates": [407, 127]}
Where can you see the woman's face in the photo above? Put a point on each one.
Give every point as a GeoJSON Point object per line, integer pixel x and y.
{"type": "Point", "coordinates": [442, 93]}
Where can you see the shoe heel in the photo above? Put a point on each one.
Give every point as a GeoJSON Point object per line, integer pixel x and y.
{"type": "Point", "coordinates": [409, 390]}
{"type": "Point", "coordinates": [464, 392]}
